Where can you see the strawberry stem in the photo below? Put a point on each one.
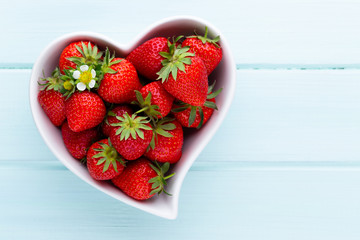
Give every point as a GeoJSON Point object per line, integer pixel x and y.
{"type": "Point", "coordinates": [169, 176]}
{"type": "Point", "coordinates": [204, 39]}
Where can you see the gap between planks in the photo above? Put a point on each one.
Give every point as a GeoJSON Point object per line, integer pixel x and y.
{"type": "Point", "coordinates": [230, 166]}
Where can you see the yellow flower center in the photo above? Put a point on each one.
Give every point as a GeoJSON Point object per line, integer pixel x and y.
{"type": "Point", "coordinates": [68, 85]}
{"type": "Point", "coordinates": [85, 77]}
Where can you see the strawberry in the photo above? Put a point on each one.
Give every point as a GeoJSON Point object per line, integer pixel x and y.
{"type": "Point", "coordinates": [78, 53]}
{"type": "Point", "coordinates": [154, 100]}
{"type": "Point", "coordinates": [146, 57]}
{"type": "Point", "coordinates": [167, 142]}
{"type": "Point", "coordinates": [77, 143]}
{"type": "Point", "coordinates": [196, 116]}
{"type": "Point", "coordinates": [84, 110]}
{"type": "Point", "coordinates": [131, 136]}
{"type": "Point", "coordinates": [141, 180]}
{"type": "Point", "coordinates": [103, 161]}
{"type": "Point", "coordinates": [207, 49]}
{"type": "Point", "coordinates": [51, 100]}
{"type": "Point", "coordinates": [111, 118]}
{"type": "Point", "coordinates": [53, 104]}
{"type": "Point", "coordinates": [190, 84]}
{"type": "Point", "coordinates": [120, 80]}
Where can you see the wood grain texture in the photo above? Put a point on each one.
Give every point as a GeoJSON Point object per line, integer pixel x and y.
{"type": "Point", "coordinates": [43, 200]}
{"type": "Point", "coordinates": [286, 116]}
{"type": "Point", "coordinates": [260, 31]}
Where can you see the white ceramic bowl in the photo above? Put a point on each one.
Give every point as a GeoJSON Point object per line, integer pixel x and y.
{"type": "Point", "coordinates": [195, 141]}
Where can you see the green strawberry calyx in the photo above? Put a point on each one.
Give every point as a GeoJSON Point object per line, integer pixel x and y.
{"type": "Point", "coordinates": [54, 82]}
{"type": "Point", "coordinates": [107, 155]}
{"type": "Point", "coordinates": [90, 55]}
{"type": "Point", "coordinates": [174, 60]}
{"type": "Point", "coordinates": [161, 128]}
{"type": "Point", "coordinates": [158, 183]}
{"type": "Point", "coordinates": [151, 110]}
{"type": "Point", "coordinates": [108, 62]}
{"type": "Point", "coordinates": [194, 109]}
{"type": "Point", "coordinates": [131, 126]}
{"type": "Point", "coordinates": [69, 85]}
{"type": "Point", "coordinates": [204, 39]}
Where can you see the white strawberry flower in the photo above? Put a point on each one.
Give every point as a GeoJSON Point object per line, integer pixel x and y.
{"type": "Point", "coordinates": [85, 77]}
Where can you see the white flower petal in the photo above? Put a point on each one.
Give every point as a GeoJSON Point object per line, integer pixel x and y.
{"type": "Point", "coordinates": [93, 73]}
{"type": "Point", "coordinates": [84, 68]}
{"type": "Point", "coordinates": [81, 86]}
{"type": "Point", "coordinates": [92, 83]}
{"type": "Point", "coordinates": [76, 74]}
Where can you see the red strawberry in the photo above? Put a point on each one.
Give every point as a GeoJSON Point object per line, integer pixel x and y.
{"type": "Point", "coordinates": [155, 100]}
{"type": "Point", "coordinates": [111, 118]}
{"type": "Point", "coordinates": [50, 98]}
{"type": "Point", "coordinates": [131, 136]}
{"type": "Point", "coordinates": [167, 142]}
{"type": "Point", "coordinates": [196, 116]}
{"type": "Point", "coordinates": [184, 116]}
{"type": "Point", "coordinates": [84, 110]}
{"type": "Point", "coordinates": [82, 52]}
{"type": "Point", "coordinates": [103, 161]}
{"type": "Point", "coordinates": [120, 80]}
{"type": "Point", "coordinates": [77, 143]}
{"type": "Point", "coordinates": [207, 49]}
{"type": "Point", "coordinates": [53, 104]}
{"type": "Point", "coordinates": [146, 57]}
{"type": "Point", "coordinates": [141, 179]}
{"type": "Point", "coordinates": [190, 84]}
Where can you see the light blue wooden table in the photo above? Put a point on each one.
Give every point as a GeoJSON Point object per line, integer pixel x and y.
{"type": "Point", "coordinates": [284, 165]}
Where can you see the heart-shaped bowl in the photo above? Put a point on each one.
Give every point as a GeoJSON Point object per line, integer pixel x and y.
{"type": "Point", "coordinates": [195, 140]}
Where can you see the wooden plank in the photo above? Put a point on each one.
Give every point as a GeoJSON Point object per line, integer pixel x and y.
{"type": "Point", "coordinates": [260, 31]}
{"type": "Point", "coordinates": [287, 116]}
{"type": "Point", "coordinates": [19, 137]}
{"type": "Point", "coordinates": [292, 116]}
{"type": "Point", "coordinates": [43, 200]}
